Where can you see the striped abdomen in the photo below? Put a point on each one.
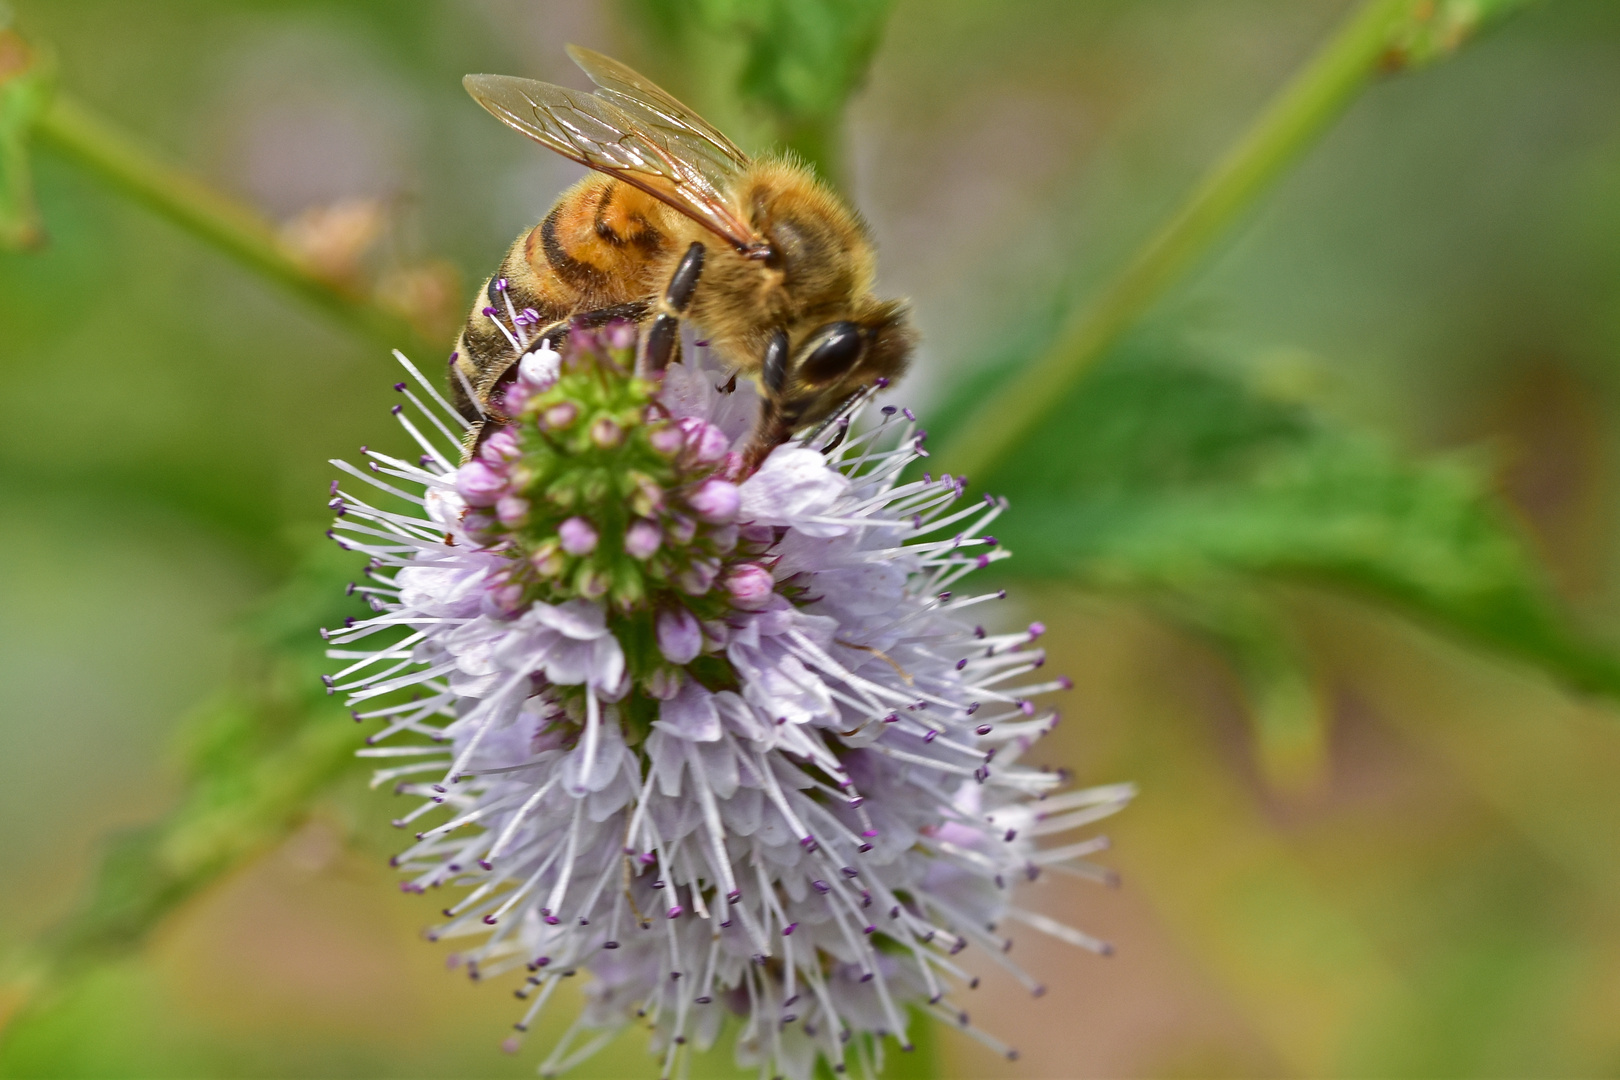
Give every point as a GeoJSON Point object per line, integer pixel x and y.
{"type": "Point", "coordinates": [599, 250]}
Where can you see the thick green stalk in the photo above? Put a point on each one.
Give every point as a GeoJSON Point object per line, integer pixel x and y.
{"type": "Point", "coordinates": [1290, 124]}
{"type": "Point", "coordinates": [75, 131]}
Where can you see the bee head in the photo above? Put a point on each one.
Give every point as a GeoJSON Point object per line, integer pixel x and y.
{"type": "Point", "coordinates": [810, 373]}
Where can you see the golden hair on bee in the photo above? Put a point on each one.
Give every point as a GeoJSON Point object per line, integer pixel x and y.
{"type": "Point", "coordinates": [677, 223]}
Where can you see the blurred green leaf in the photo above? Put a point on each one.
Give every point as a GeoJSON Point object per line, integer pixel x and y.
{"type": "Point", "coordinates": [1159, 476]}
{"type": "Point", "coordinates": [27, 77]}
{"type": "Point", "coordinates": [1286, 709]}
{"type": "Point", "coordinates": [255, 757]}
{"type": "Point", "coordinates": [793, 63]}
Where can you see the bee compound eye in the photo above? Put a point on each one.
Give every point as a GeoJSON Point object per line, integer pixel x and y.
{"type": "Point", "coordinates": [836, 348]}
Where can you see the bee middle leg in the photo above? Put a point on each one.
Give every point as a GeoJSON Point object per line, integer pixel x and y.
{"type": "Point", "coordinates": [661, 339]}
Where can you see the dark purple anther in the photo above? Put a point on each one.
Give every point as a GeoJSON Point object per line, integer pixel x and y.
{"type": "Point", "coordinates": [889, 410]}
{"type": "Point", "coordinates": [882, 383]}
{"type": "Point", "coordinates": [397, 409]}
{"type": "Point", "coordinates": [789, 928]}
{"type": "Point", "coordinates": [973, 708]}
{"type": "Point", "coordinates": [610, 944]}
{"type": "Point", "coordinates": [983, 729]}
{"type": "Point", "coordinates": [931, 735]}
{"type": "Point", "coordinates": [733, 896]}
{"type": "Point", "coordinates": [962, 663]}
{"type": "Point", "coordinates": [485, 863]}
{"type": "Point", "coordinates": [1065, 682]}
{"type": "Point", "coordinates": [849, 871]}
{"type": "Point", "coordinates": [400, 387]}
{"type": "Point", "coordinates": [909, 414]}
{"type": "Point", "coordinates": [489, 311]}
{"type": "Point", "coordinates": [821, 886]}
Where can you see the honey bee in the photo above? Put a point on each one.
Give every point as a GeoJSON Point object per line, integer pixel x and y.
{"type": "Point", "coordinates": [677, 223]}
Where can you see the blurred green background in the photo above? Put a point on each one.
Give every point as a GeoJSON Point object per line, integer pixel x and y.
{"type": "Point", "coordinates": [1328, 542]}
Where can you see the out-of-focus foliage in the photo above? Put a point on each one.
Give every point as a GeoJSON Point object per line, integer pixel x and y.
{"type": "Point", "coordinates": [1166, 479]}
{"type": "Point", "coordinates": [25, 84]}
{"type": "Point", "coordinates": [793, 64]}
{"type": "Point", "coordinates": [1421, 881]}
{"type": "Point", "coordinates": [1439, 28]}
{"type": "Point", "coordinates": [254, 758]}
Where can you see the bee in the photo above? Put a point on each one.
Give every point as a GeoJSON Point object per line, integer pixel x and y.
{"type": "Point", "coordinates": [674, 223]}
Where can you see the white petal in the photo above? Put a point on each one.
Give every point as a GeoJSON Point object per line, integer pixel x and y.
{"type": "Point", "coordinates": [690, 714]}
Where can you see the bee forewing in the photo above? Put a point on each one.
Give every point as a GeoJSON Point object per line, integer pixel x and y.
{"type": "Point", "coordinates": [686, 171]}
{"type": "Point", "coordinates": [645, 100]}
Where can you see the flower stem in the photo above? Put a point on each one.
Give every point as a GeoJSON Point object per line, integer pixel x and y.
{"type": "Point", "coordinates": [1300, 112]}
{"type": "Point", "coordinates": [240, 232]}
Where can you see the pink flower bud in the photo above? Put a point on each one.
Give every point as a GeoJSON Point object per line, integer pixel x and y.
{"type": "Point", "coordinates": [619, 334]}
{"type": "Point", "coordinates": [479, 484]}
{"type": "Point", "coordinates": [577, 535]}
{"type": "Point", "coordinates": [503, 598]}
{"type": "Point", "coordinates": [667, 439]}
{"type": "Point", "coordinates": [500, 447]}
{"type": "Point", "coordinates": [606, 434]}
{"type": "Point", "coordinates": [750, 586]}
{"type": "Point", "coordinates": [547, 559]}
{"type": "Point", "coordinates": [680, 530]}
{"type": "Point", "coordinates": [715, 501]}
{"type": "Point", "coordinates": [698, 577]}
{"type": "Point", "coordinates": [516, 396]}
{"type": "Point", "coordinates": [478, 525]}
{"type": "Point", "coordinates": [706, 443]}
{"type": "Point", "coordinates": [513, 510]}
{"type": "Point", "coordinates": [724, 538]}
{"type": "Point", "coordinates": [664, 683]}
{"type": "Point", "coordinates": [560, 416]}
{"type": "Point", "coordinates": [680, 638]}
{"type": "Point", "coordinates": [642, 539]}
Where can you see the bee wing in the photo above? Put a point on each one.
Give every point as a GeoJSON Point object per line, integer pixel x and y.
{"type": "Point", "coordinates": [654, 106]}
{"type": "Point", "coordinates": [660, 156]}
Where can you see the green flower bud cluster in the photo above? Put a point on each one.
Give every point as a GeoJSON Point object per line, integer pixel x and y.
{"type": "Point", "coordinates": [596, 492]}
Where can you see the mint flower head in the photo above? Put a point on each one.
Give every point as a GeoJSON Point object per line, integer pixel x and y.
{"type": "Point", "coordinates": [727, 744]}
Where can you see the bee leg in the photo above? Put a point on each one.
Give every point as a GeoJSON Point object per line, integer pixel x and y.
{"type": "Point", "coordinates": [774, 426]}
{"type": "Point", "coordinates": [665, 333]}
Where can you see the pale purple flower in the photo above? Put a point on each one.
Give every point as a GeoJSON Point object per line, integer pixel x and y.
{"type": "Point", "coordinates": [642, 538]}
{"type": "Point", "coordinates": [578, 536]}
{"type": "Point", "coordinates": [750, 586]}
{"type": "Point", "coordinates": [827, 804]}
{"type": "Point", "coordinates": [480, 484]}
{"type": "Point", "coordinates": [680, 638]}
{"type": "Point", "coordinates": [716, 501]}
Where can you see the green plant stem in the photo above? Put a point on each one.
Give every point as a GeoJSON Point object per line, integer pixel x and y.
{"type": "Point", "coordinates": [79, 134]}
{"type": "Point", "coordinates": [1300, 112]}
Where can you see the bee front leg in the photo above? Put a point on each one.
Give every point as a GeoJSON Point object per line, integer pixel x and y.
{"type": "Point", "coordinates": [774, 426]}
{"type": "Point", "coordinates": [665, 333]}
